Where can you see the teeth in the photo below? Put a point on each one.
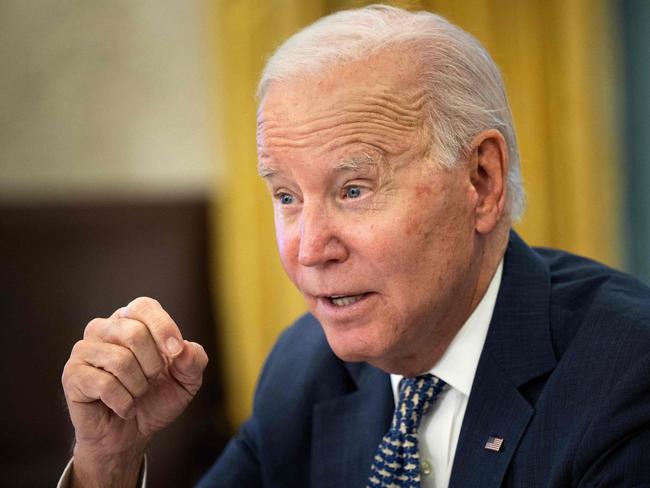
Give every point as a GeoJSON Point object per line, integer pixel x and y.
{"type": "Point", "coordinates": [347, 300]}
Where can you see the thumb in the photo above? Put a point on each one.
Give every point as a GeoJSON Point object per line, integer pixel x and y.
{"type": "Point", "coordinates": [187, 368]}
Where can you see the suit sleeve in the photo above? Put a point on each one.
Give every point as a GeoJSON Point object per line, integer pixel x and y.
{"type": "Point", "coordinates": [238, 466]}
{"type": "Point", "coordinates": [626, 464]}
{"type": "Point", "coordinates": [272, 448]}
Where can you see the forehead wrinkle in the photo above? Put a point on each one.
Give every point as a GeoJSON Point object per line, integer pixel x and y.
{"type": "Point", "coordinates": [361, 124]}
{"type": "Point", "coordinates": [363, 132]}
{"type": "Point", "coordinates": [384, 146]}
{"type": "Point", "coordinates": [400, 113]}
{"type": "Point", "coordinates": [387, 122]}
{"type": "Point", "coordinates": [271, 131]}
{"type": "Point", "coordinates": [391, 116]}
{"type": "Point", "coordinates": [404, 107]}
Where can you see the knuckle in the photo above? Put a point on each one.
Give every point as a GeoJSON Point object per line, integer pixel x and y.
{"type": "Point", "coordinates": [77, 348]}
{"type": "Point", "coordinates": [120, 363]}
{"type": "Point", "coordinates": [118, 401]}
{"type": "Point", "coordinates": [140, 389]}
{"type": "Point", "coordinates": [142, 304]}
{"type": "Point", "coordinates": [137, 335]}
{"type": "Point", "coordinates": [68, 373]}
{"type": "Point", "coordinates": [125, 406]}
{"type": "Point", "coordinates": [92, 327]}
{"type": "Point", "coordinates": [203, 357]}
{"type": "Point", "coordinates": [106, 384]}
{"type": "Point", "coordinates": [156, 369]}
{"type": "Point", "coordinates": [127, 403]}
{"type": "Point", "coordinates": [65, 376]}
{"type": "Point", "coordinates": [161, 322]}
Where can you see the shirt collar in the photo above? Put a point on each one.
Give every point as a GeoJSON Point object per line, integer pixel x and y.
{"type": "Point", "coordinates": [457, 366]}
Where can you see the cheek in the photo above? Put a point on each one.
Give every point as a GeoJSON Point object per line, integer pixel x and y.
{"type": "Point", "coordinates": [288, 244]}
{"type": "Point", "coordinates": [433, 238]}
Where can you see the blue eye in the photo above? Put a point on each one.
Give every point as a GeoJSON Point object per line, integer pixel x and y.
{"type": "Point", "coordinates": [352, 192]}
{"type": "Point", "coordinates": [285, 199]}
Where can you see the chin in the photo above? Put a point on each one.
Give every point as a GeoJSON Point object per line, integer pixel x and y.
{"type": "Point", "coordinates": [354, 345]}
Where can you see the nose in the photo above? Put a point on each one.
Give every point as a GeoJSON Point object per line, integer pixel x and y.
{"type": "Point", "coordinates": [320, 243]}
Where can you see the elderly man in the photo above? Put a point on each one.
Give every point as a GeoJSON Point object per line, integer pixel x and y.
{"type": "Point", "coordinates": [440, 349]}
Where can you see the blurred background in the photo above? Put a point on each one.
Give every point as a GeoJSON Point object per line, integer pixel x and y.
{"type": "Point", "coordinates": [127, 168]}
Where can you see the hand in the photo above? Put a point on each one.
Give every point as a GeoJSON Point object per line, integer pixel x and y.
{"type": "Point", "coordinates": [130, 376]}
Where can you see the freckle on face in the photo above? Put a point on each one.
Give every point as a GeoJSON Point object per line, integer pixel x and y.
{"type": "Point", "coordinates": [422, 191]}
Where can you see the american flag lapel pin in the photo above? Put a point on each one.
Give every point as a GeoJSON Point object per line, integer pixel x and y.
{"type": "Point", "coordinates": [494, 443]}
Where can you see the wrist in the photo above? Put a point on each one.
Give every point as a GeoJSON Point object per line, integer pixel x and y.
{"type": "Point", "coordinates": [118, 469]}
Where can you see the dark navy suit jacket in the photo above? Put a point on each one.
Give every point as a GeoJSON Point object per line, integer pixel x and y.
{"type": "Point", "coordinates": [564, 379]}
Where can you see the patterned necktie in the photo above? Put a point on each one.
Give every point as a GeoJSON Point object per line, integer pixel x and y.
{"type": "Point", "coordinates": [397, 461]}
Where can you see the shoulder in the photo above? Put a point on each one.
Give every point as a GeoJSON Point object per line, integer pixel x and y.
{"type": "Point", "coordinates": [600, 327]}
{"type": "Point", "coordinates": [581, 282]}
{"type": "Point", "coordinates": [593, 302]}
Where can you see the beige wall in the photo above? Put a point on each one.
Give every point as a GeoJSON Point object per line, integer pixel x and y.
{"type": "Point", "coordinates": [105, 98]}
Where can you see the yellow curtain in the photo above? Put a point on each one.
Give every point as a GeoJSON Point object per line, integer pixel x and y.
{"type": "Point", "coordinates": [556, 57]}
{"type": "Point", "coordinates": [557, 60]}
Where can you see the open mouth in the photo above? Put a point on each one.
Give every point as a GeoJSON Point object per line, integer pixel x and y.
{"type": "Point", "coordinates": [344, 300]}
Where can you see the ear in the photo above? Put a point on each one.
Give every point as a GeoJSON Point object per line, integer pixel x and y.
{"type": "Point", "coordinates": [488, 169]}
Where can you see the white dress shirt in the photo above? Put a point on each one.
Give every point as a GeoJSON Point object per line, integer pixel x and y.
{"type": "Point", "coordinates": [440, 427]}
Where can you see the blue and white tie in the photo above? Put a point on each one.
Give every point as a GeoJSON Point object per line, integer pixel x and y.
{"type": "Point", "coordinates": [397, 461]}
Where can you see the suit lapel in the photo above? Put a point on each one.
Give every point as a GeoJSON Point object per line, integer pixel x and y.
{"type": "Point", "coordinates": [348, 429]}
{"type": "Point", "coordinates": [517, 349]}
{"type": "Point", "coordinates": [496, 409]}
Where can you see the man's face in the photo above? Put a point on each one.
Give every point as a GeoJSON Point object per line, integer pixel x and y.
{"type": "Point", "coordinates": [379, 242]}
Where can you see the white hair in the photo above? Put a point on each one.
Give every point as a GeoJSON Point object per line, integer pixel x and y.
{"type": "Point", "coordinates": [464, 87]}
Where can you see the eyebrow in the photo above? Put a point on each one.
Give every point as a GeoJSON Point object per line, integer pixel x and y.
{"type": "Point", "coordinates": [265, 171]}
{"type": "Point", "coordinates": [356, 163]}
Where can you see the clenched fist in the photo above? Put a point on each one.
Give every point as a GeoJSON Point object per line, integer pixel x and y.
{"type": "Point", "coordinates": [130, 376]}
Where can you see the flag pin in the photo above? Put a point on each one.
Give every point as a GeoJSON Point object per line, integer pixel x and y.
{"type": "Point", "coordinates": [494, 443]}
